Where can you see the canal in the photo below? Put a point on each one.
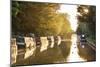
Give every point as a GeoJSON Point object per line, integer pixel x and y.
{"type": "Point", "coordinates": [66, 52]}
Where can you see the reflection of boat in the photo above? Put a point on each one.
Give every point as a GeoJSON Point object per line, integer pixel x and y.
{"type": "Point", "coordinates": [29, 42]}
{"type": "Point", "coordinates": [54, 40]}
{"type": "Point", "coordinates": [57, 40]}
{"type": "Point", "coordinates": [25, 41]}
{"type": "Point", "coordinates": [29, 52]}
{"type": "Point", "coordinates": [51, 41]}
{"type": "Point", "coordinates": [30, 46]}
{"type": "Point", "coordinates": [13, 51]}
{"type": "Point", "coordinates": [44, 43]}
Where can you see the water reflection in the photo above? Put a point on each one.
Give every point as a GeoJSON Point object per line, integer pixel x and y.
{"type": "Point", "coordinates": [66, 51]}
{"type": "Point", "coordinates": [29, 52]}
{"type": "Point", "coordinates": [44, 43]}
{"type": "Point", "coordinates": [29, 41]}
{"type": "Point", "coordinates": [51, 41]}
{"type": "Point", "coordinates": [74, 56]}
{"type": "Point", "coordinates": [13, 51]}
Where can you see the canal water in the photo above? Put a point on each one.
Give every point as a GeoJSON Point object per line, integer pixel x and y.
{"type": "Point", "coordinates": [74, 56]}
{"type": "Point", "coordinates": [66, 52]}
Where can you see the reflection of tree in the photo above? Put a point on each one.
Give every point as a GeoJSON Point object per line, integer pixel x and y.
{"type": "Point", "coordinates": [87, 20]}
{"type": "Point", "coordinates": [39, 18]}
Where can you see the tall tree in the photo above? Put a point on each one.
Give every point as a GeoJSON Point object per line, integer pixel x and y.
{"type": "Point", "coordinates": [87, 20]}
{"type": "Point", "coordinates": [39, 18]}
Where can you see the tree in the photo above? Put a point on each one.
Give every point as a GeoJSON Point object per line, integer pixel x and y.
{"type": "Point", "coordinates": [39, 18]}
{"type": "Point", "coordinates": [87, 17]}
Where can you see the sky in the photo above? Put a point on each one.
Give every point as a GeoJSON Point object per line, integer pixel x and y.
{"type": "Point", "coordinates": [71, 10]}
